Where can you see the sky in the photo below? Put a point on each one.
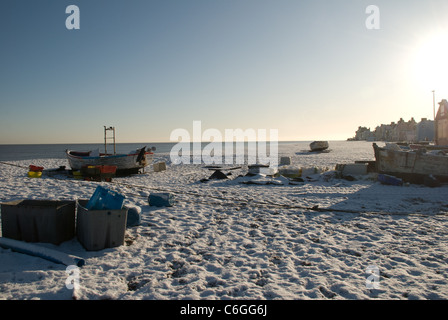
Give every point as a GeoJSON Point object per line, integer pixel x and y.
{"type": "Point", "coordinates": [313, 70]}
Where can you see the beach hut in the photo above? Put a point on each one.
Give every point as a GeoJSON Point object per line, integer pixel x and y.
{"type": "Point", "coordinates": [441, 124]}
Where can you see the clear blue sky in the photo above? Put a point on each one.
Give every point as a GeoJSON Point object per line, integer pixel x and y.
{"type": "Point", "coordinates": [310, 69]}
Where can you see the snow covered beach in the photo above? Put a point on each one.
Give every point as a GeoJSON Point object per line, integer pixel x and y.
{"type": "Point", "coordinates": [227, 240]}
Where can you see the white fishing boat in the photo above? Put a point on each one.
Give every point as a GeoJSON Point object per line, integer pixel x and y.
{"type": "Point", "coordinates": [130, 162]}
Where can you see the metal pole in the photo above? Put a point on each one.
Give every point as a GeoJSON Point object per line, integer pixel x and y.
{"type": "Point", "coordinates": [105, 140]}
{"type": "Point", "coordinates": [434, 103]}
{"type": "Point", "coordinates": [114, 139]}
{"type": "Point", "coordinates": [434, 111]}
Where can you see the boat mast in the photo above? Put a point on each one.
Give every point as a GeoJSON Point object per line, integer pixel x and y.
{"type": "Point", "coordinates": [106, 137]}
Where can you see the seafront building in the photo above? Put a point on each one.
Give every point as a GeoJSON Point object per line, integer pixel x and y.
{"type": "Point", "coordinates": [401, 131]}
{"type": "Point", "coordinates": [441, 126]}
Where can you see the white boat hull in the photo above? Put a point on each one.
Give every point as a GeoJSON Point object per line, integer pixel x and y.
{"type": "Point", "coordinates": [123, 162]}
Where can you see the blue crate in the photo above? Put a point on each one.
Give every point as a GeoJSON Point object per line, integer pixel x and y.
{"type": "Point", "coordinates": [161, 199]}
{"type": "Point", "coordinates": [390, 180]}
{"type": "Point", "coordinates": [134, 216]}
{"type": "Point", "coordinates": [105, 199]}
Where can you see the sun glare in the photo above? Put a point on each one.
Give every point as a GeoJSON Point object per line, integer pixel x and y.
{"type": "Point", "coordinates": [431, 63]}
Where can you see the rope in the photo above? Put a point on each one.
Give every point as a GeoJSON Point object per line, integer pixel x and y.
{"type": "Point", "coordinates": [14, 165]}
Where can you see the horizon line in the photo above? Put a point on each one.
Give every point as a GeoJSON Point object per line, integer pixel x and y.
{"type": "Point", "coordinates": [169, 142]}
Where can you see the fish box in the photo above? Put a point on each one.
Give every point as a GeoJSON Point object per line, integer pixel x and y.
{"type": "Point", "coordinates": [100, 229]}
{"type": "Point", "coordinates": [34, 174]}
{"type": "Point", "coordinates": [105, 199]}
{"type": "Point", "coordinates": [77, 175]}
{"type": "Point", "coordinates": [160, 166]}
{"type": "Point", "coordinates": [98, 173]}
{"type": "Point", "coordinates": [353, 169]}
{"type": "Point", "coordinates": [285, 161]}
{"type": "Point", "coordinates": [290, 172]}
{"type": "Point", "coordinates": [134, 216]}
{"type": "Point", "coordinates": [36, 168]}
{"type": "Point", "coordinates": [161, 199]}
{"type": "Point", "coordinates": [390, 180]}
{"type": "Point", "coordinates": [39, 220]}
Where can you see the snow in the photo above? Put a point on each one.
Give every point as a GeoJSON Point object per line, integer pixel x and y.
{"type": "Point", "coordinates": [223, 239]}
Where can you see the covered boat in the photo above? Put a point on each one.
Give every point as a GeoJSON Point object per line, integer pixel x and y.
{"type": "Point", "coordinates": [319, 145]}
{"type": "Point", "coordinates": [411, 165]}
{"type": "Point", "coordinates": [126, 163]}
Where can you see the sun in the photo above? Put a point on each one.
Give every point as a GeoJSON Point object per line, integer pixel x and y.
{"type": "Point", "coordinates": [431, 63]}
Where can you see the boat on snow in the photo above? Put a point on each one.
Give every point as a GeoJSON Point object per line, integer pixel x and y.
{"type": "Point", "coordinates": [319, 146]}
{"type": "Point", "coordinates": [125, 163]}
{"type": "Point", "coordinates": [130, 162]}
{"type": "Point", "coordinates": [411, 165]}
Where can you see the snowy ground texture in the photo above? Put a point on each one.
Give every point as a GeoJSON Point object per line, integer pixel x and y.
{"type": "Point", "coordinates": [227, 240]}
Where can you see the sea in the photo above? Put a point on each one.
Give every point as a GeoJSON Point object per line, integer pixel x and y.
{"type": "Point", "coordinates": [11, 152]}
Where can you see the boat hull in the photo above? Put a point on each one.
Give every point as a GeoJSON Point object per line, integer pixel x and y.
{"type": "Point", "coordinates": [132, 162]}
{"type": "Point", "coordinates": [319, 145]}
{"type": "Point", "coordinates": [411, 166]}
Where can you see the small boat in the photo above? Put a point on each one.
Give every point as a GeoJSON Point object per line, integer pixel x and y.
{"type": "Point", "coordinates": [125, 163]}
{"type": "Point", "coordinates": [319, 146]}
{"type": "Point", "coordinates": [131, 162]}
{"type": "Point", "coordinates": [411, 165]}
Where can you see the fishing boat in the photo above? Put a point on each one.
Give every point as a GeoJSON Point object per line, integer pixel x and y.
{"type": "Point", "coordinates": [411, 165]}
{"type": "Point", "coordinates": [130, 162]}
{"type": "Point", "coordinates": [319, 146]}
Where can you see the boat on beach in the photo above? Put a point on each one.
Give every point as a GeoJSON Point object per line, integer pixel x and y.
{"type": "Point", "coordinates": [411, 165]}
{"type": "Point", "coordinates": [319, 146]}
{"type": "Point", "coordinates": [125, 163]}
{"type": "Point", "coordinates": [131, 162]}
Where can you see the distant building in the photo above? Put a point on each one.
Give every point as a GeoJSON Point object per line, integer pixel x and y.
{"type": "Point", "coordinates": [441, 124]}
{"type": "Point", "coordinates": [405, 131]}
{"type": "Point", "coordinates": [364, 133]}
{"type": "Point", "coordinates": [425, 130]}
{"type": "Point", "coordinates": [402, 131]}
{"type": "Point", "coordinates": [384, 132]}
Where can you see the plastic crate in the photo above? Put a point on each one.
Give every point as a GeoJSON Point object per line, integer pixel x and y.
{"type": "Point", "coordinates": [105, 199]}
{"type": "Point", "coordinates": [36, 168]}
{"type": "Point", "coordinates": [39, 220]}
{"type": "Point", "coordinates": [34, 174]}
{"type": "Point", "coordinates": [390, 180]}
{"type": "Point", "coordinates": [98, 173]}
{"type": "Point", "coordinates": [100, 229]}
{"type": "Point", "coordinates": [161, 199]}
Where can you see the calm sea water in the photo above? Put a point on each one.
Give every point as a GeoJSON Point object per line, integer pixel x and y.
{"type": "Point", "coordinates": [57, 151]}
